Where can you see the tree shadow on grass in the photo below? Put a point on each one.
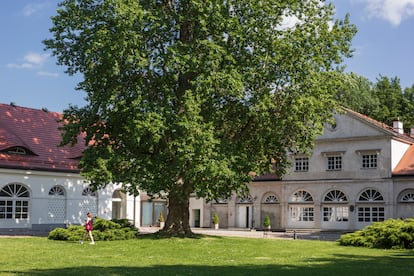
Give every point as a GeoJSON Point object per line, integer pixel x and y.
{"type": "Point", "coordinates": [401, 263]}
{"type": "Point", "coordinates": [162, 235]}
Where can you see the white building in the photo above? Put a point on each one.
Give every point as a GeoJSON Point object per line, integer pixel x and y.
{"type": "Point", "coordinates": [40, 185]}
{"type": "Point", "coordinates": [359, 171]}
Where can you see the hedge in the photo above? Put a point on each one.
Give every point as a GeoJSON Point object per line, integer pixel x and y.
{"type": "Point", "coordinates": [102, 230]}
{"type": "Point", "coordinates": [391, 233]}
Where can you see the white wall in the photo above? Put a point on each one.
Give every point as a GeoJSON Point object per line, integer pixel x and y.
{"type": "Point", "coordinates": [39, 184]}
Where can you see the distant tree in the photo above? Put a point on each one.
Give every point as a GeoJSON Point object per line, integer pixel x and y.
{"type": "Point", "coordinates": [389, 93]}
{"type": "Point", "coordinates": [189, 96]}
{"type": "Point", "coordinates": [356, 93]}
{"type": "Point", "coordinates": [407, 108]}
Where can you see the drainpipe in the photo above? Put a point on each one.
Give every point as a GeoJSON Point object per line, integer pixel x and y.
{"type": "Point", "coordinates": [134, 212]}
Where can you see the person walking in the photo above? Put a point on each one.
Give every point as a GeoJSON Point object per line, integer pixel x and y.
{"type": "Point", "coordinates": [88, 228]}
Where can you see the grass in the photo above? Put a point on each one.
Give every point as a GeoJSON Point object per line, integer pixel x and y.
{"type": "Point", "coordinates": [204, 255]}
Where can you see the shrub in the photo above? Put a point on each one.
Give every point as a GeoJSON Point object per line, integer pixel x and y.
{"type": "Point", "coordinates": [102, 230]}
{"type": "Point", "coordinates": [391, 233]}
{"type": "Point", "coordinates": [266, 222]}
{"type": "Point", "coordinates": [215, 218]}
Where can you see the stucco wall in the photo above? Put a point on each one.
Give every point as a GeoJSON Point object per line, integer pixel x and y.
{"type": "Point", "coordinates": [41, 204]}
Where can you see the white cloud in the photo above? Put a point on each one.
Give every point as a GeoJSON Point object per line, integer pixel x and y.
{"type": "Point", "coordinates": [20, 66]}
{"type": "Point", "coordinates": [35, 58]}
{"type": "Point", "coordinates": [48, 74]}
{"type": "Point", "coordinates": [394, 11]}
{"type": "Point", "coordinates": [30, 60]}
{"type": "Point", "coordinates": [31, 9]}
{"type": "Point", "coordinates": [34, 61]}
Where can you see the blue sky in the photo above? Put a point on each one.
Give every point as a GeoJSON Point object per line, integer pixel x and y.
{"type": "Point", "coordinates": [30, 77]}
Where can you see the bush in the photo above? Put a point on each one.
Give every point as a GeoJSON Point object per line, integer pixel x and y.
{"type": "Point", "coordinates": [392, 233]}
{"type": "Point", "coordinates": [215, 219]}
{"type": "Point", "coordinates": [103, 230]}
{"type": "Point", "coordinates": [266, 222]}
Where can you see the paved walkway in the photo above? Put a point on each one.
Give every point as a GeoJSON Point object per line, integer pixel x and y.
{"type": "Point", "coordinates": [233, 232]}
{"type": "Point", "coordinates": [326, 236]}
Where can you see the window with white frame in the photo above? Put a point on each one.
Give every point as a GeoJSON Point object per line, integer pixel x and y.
{"type": "Point", "coordinates": [57, 204]}
{"type": "Point", "coordinates": [335, 213]}
{"type": "Point", "coordinates": [89, 202]}
{"type": "Point", "coordinates": [269, 199]}
{"type": "Point", "coordinates": [14, 202]}
{"type": "Point", "coordinates": [407, 197]}
{"type": "Point", "coordinates": [333, 160]}
{"type": "Point", "coordinates": [301, 213]}
{"type": "Point", "coordinates": [369, 158]}
{"type": "Point", "coordinates": [245, 200]}
{"type": "Point", "coordinates": [301, 164]}
{"type": "Point", "coordinates": [370, 209]}
{"type": "Point", "coordinates": [220, 201]}
{"type": "Point", "coordinates": [300, 207]}
{"type": "Point", "coordinates": [371, 214]}
{"type": "Point", "coordinates": [369, 161]}
{"type": "Point", "coordinates": [334, 163]}
{"type": "Point", "coordinates": [334, 209]}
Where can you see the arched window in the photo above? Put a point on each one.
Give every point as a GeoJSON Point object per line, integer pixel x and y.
{"type": "Point", "coordinates": [14, 202]}
{"type": "Point", "coordinates": [57, 205]}
{"type": "Point", "coordinates": [301, 196]}
{"type": "Point", "coordinates": [220, 201]}
{"type": "Point", "coordinates": [246, 199]}
{"type": "Point", "coordinates": [335, 196]}
{"type": "Point", "coordinates": [371, 207]}
{"type": "Point", "coordinates": [88, 192]}
{"type": "Point", "coordinates": [299, 209]}
{"type": "Point", "coordinates": [90, 201]}
{"type": "Point", "coordinates": [407, 196]}
{"type": "Point", "coordinates": [57, 191]}
{"type": "Point", "coordinates": [335, 208]}
{"type": "Point", "coordinates": [270, 199]}
{"type": "Point", "coordinates": [371, 195]}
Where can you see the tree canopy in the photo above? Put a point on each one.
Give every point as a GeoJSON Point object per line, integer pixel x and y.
{"type": "Point", "coordinates": [383, 100]}
{"type": "Point", "coordinates": [188, 97]}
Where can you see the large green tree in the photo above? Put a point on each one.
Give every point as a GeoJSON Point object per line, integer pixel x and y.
{"type": "Point", "coordinates": [187, 97]}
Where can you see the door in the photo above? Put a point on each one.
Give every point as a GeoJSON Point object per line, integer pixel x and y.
{"type": "Point", "coordinates": [244, 216]}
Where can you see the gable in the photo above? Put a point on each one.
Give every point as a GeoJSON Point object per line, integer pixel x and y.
{"type": "Point", "coordinates": [350, 124]}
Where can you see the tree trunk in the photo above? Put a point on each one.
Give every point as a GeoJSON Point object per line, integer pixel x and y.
{"type": "Point", "coordinates": [177, 223]}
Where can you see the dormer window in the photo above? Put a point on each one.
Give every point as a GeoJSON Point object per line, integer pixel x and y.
{"type": "Point", "coordinates": [17, 151]}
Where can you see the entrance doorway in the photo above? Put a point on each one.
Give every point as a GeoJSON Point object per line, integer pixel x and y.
{"type": "Point", "coordinates": [118, 205]}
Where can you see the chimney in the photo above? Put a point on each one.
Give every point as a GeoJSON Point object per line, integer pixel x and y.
{"type": "Point", "coordinates": [412, 132]}
{"type": "Point", "coordinates": [397, 126]}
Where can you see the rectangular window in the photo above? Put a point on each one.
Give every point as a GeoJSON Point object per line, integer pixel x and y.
{"type": "Point", "coordinates": [6, 209]}
{"type": "Point", "coordinates": [332, 214]}
{"type": "Point", "coordinates": [369, 161]}
{"type": "Point", "coordinates": [301, 213]}
{"type": "Point", "coordinates": [334, 163]}
{"type": "Point", "coordinates": [22, 209]}
{"type": "Point", "coordinates": [371, 214]}
{"type": "Point", "coordinates": [302, 164]}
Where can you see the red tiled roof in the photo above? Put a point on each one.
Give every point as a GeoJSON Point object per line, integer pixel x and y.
{"type": "Point", "coordinates": [406, 165]}
{"type": "Point", "coordinates": [37, 132]}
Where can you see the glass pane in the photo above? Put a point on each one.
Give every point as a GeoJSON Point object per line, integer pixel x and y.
{"type": "Point", "coordinates": [158, 208]}
{"type": "Point", "coordinates": [147, 213]}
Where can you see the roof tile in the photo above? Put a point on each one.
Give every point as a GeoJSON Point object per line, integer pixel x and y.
{"type": "Point", "coordinates": [37, 131]}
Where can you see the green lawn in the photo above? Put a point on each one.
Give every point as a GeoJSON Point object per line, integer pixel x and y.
{"type": "Point", "coordinates": [198, 256]}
